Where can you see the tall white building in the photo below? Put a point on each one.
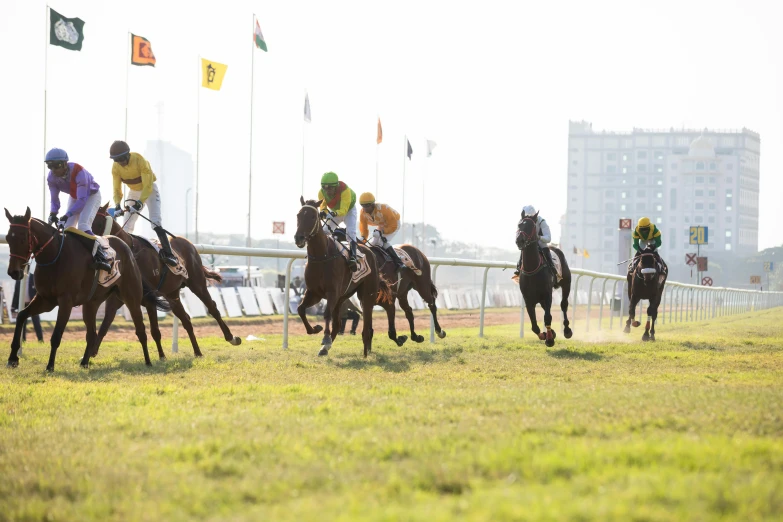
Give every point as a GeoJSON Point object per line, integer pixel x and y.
{"type": "Point", "coordinates": [677, 178]}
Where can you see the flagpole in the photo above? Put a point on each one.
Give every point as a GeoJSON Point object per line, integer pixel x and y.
{"type": "Point", "coordinates": [250, 173]}
{"type": "Point", "coordinates": [303, 148]}
{"type": "Point", "coordinates": [46, 83]}
{"type": "Point", "coordinates": [198, 136]}
{"type": "Point", "coordinates": [423, 225]}
{"type": "Point", "coordinates": [127, 81]}
{"type": "Point", "coordinates": [377, 149]}
{"type": "Point", "coordinates": [404, 165]}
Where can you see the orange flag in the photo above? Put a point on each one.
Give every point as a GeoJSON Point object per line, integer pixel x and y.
{"type": "Point", "coordinates": [141, 51]}
{"type": "Point", "coordinates": [379, 139]}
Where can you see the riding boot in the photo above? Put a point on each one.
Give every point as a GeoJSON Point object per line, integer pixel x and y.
{"type": "Point", "coordinates": [353, 266]}
{"type": "Point", "coordinates": [166, 254]}
{"type": "Point", "coordinates": [398, 264]}
{"type": "Point", "coordinates": [99, 256]}
{"type": "Point", "coordinates": [549, 262]}
{"type": "Point", "coordinates": [519, 266]}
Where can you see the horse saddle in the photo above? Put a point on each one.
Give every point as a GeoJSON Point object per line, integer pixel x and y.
{"type": "Point", "coordinates": [89, 242]}
{"type": "Point", "coordinates": [178, 270]}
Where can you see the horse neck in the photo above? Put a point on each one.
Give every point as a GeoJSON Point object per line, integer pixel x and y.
{"type": "Point", "coordinates": [41, 232]}
{"type": "Point", "coordinates": [318, 245]}
{"type": "Point", "coordinates": [117, 230]}
{"type": "Point", "coordinates": [530, 256]}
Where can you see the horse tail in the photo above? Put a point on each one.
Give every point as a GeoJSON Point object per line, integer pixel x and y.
{"type": "Point", "coordinates": [384, 291]}
{"type": "Point", "coordinates": [151, 296]}
{"type": "Point", "coordinates": [212, 274]}
{"type": "Point", "coordinates": [433, 290]}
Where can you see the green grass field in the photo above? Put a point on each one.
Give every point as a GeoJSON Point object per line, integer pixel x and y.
{"type": "Point", "coordinates": [690, 427]}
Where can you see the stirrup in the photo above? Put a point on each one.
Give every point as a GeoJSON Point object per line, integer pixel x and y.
{"type": "Point", "coordinates": [353, 265]}
{"type": "Point", "coordinates": [168, 258]}
{"type": "Point", "coordinates": [102, 264]}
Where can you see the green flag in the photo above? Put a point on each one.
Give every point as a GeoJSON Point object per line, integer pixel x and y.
{"type": "Point", "coordinates": [65, 32]}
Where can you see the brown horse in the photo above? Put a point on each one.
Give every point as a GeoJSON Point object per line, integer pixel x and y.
{"type": "Point", "coordinates": [327, 276]}
{"type": "Point", "coordinates": [64, 277]}
{"type": "Point", "coordinates": [157, 275]}
{"type": "Point", "coordinates": [407, 280]}
{"type": "Point", "coordinates": [646, 280]}
{"type": "Point", "coordinates": [536, 280]}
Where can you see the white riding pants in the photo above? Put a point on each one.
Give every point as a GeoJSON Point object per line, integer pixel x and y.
{"type": "Point", "coordinates": [83, 220]}
{"type": "Point", "coordinates": [382, 240]}
{"type": "Point", "coordinates": [153, 208]}
{"type": "Point", "coordinates": [350, 223]}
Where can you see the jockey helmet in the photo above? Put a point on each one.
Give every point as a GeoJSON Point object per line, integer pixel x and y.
{"type": "Point", "coordinates": [643, 223]}
{"type": "Point", "coordinates": [366, 199]}
{"type": "Point", "coordinates": [529, 210]}
{"type": "Point", "coordinates": [118, 149]}
{"type": "Point", "coordinates": [330, 178]}
{"type": "Point", "coordinates": [56, 155]}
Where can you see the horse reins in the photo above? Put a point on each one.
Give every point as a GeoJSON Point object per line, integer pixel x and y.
{"type": "Point", "coordinates": [312, 233]}
{"type": "Point", "coordinates": [32, 242]}
{"type": "Point", "coordinates": [528, 241]}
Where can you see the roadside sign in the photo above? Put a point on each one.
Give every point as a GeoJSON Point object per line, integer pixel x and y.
{"type": "Point", "coordinates": [769, 266]}
{"type": "Point", "coordinates": [706, 281]}
{"type": "Point", "coordinates": [625, 223]}
{"type": "Point", "coordinates": [755, 280]}
{"type": "Point", "coordinates": [699, 235]}
{"type": "Point", "coordinates": [278, 227]}
{"type": "Point", "coordinates": [690, 259]}
{"type": "Point", "coordinates": [702, 264]}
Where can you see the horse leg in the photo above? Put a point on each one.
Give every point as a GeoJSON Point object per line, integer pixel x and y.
{"type": "Point", "coordinates": [427, 292]}
{"type": "Point", "coordinates": [531, 313]}
{"type": "Point", "coordinates": [336, 320]}
{"type": "Point", "coordinates": [113, 303]}
{"type": "Point", "coordinates": [550, 334]}
{"type": "Point", "coordinates": [63, 314]}
{"type": "Point", "coordinates": [367, 299]}
{"type": "Point", "coordinates": [326, 344]}
{"type": "Point", "coordinates": [565, 290]}
{"type": "Point", "coordinates": [631, 315]}
{"type": "Point", "coordinates": [652, 316]}
{"type": "Point", "coordinates": [406, 307]}
{"type": "Point", "coordinates": [390, 312]}
{"type": "Point", "coordinates": [89, 312]}
{"type": "Point", "coordinates": [152, 314]}
{"type": "Point", "coordinates": [203, 295]}
{"type": "Point", "coordinates": [141, 332]}
{"type": "Point", "coordinates": [179, 311]}
{"type": "Point", "coordinates": [308, 299]}
{"type": "Point", "coordinates": [38, 305]}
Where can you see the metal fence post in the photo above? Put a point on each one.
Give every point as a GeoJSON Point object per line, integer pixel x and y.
{"type": "Point", "coordinates": [483, 299]}
{"type": "Point", "coordinates": [522, 319]}
{"type": "Point", "coordinates": [601, 308]}
{"type": "Point", "coordinates": [611, 310]}
{"type": "Point", "coordinates": [576, 298]}
{"type": "Point", "coordinates": [432, 319]}
{"type": "Point", "coordinates": [287, 303]}
{"type": "Point", "coordinates": [589, 302]}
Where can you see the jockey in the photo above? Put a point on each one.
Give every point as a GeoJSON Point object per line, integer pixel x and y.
{"type": "Point", "coordinates": [339, 200]}
{"type": "Point", "coordinates": [132, 169]}
{"type": "Point", "coordinates": [645, 236]}
{"type": "Point", "coordinates": [545, 236]}
{"type": "Point", "coordinates": [83, 202]}
{"type": "Point", "coordinates": [387, 223]}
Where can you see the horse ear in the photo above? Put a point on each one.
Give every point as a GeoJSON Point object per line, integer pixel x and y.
{"type": "Point", "coordinates": [523, 213]}
{"type": "Point", "coordinates": [535, 216]}
{"type": "Point", "coordinates": [301, 200]}
{"type": "Point", "coordinates": [27, 214]}
{"type": "Point", "coordinates": [318, 203]}
{"type": "Point", "coordinates": [104, 207]}
{"type": "Point", "coordinates": [9, 216]}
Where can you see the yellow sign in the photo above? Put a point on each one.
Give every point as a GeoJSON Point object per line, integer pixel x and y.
{"type": "Point", "coordinates": [755, 280]}
{"type": "Point", "coordinates": [699, 235]}
{"type": "Point", "coordinates": [212, 74]}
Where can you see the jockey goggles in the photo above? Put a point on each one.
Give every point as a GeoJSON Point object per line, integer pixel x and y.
{"type": "Point", "coordinates": [329, 186]}
{"type": "Point", "coordinates": [121, 157]}
{"type": "Point", "coordinates": [55, 164]}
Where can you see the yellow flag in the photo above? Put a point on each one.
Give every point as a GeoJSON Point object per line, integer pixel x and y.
{"type": "Point", "coordinates": [586, 253]}
{"type": "Point", "coordinates": [212, 74]}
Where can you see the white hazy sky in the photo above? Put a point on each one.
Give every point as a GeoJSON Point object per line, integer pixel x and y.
{"type": "Point", "coordinates": [493, 83]}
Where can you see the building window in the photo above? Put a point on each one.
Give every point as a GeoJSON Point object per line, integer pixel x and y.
{"type": "Point", "coordinates": [728, 193]}
{"type": "Point", "coordinates": [611, 156]}
{"type": "Point", "coordinates": [659, 195]}
{"type": "Point", "coordinates": [574, 162]}
{"type": "Point", "coordinates": [711, 193]}
{"type": "Point", "coordinates": [641, 193]}
{"type": "Point", "coordinates": [609, 207]}
{"type": "Point", "coordinates": [611, 168]}
{"type": "Point", "coordinates": [608, 232]}
{"type": "Point", "coordinates": [728, 208]}
{"type": "Point", "coordinates": [641, 180]}
{"type": "Point", "coordinates": [573, 199]}
{"type": "Point", "coordinates": [728, 246]}
{"type": "Point", "coordinates": [728, 233]}
{"type": "Point", "coordinates": [687, 219]}
{"type": "Point", "coordinates": [641, 154]}
{"type": "Point", "coordinates": [699, 193]}
{"type": "Point", "coordinates": [672, 238]}
{"type": "Point", "coordinates": [625, 170]}
{"type": "Point", "coordinates": [729, 180]}
{"type": "Point", "coordinates": [728, 219]}
{"type": "Point", "coordinates": [674, 166]}
{"type": "Point", "coordinates": [699, 165]}
{"type": "Point", "coordinates": [699, 179]}
{"type": "Point", "coordinates": [712, 180]}
{"type": "Point", "coordinates": [673, 179]}
{"type": "Point", "coordinates": [641, 168]}
{"type": "Point", "coordinates": [713, 166]}
{"type": "Point", "coordinates": [659, 208]}
{"type": "Point", "coordinates": [622, 208]}
{"type": "Point", "coordinates": [608, 256]}
{"type": "Point", "coordinates": [658, 155]}
{"type": "Point", "coordinates": [699, 206]}
{"type": "Point", "coordinates": [572, 174]}
{"type": "Point", "coordinates": [711, 219]}
{"type": "Point", "coordinates": [659, 220]}
{"type": "Point", "coordinates": [698, 219]}
{"type": "Point", "coordinates": [623, 195]}
{"type": "Point", "coordinates": [673, 199]}
{"type": "Point", "coordinates": [659, 182]}
{"type": "Point", "coordinates": [658, 168]}
{"type": "Point", "coordinates": [609, 193]}
{"type": "Point", "coordinates": [712, 206]}
{"type": "Point", "coordinates": [687, 232]}
{"type": "Point", "coordinates": [625, 157]}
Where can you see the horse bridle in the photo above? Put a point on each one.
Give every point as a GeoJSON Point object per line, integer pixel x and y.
{"type": "Point", "coordinates": [317, 221]}
{"type": "Point", "coordinates": [529, 238]}
{"type": "Point", "coordinates": [32, 242]}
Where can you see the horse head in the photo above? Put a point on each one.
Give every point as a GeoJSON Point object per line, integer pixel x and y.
{"type": "Point", "coordinates": [20, 241]}
{"type": "Point", "coordinates": [308, 222]}
{"type": "Point", "coordinates": [527, 231]}
{"type": "Point", "coordinates": [647, 266]}
{"type": "Point", "coordinates": [103, 223]}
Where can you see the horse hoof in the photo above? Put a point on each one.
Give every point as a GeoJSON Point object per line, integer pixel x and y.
{"type": "Point", "coordinates": [645, 337]}
{"type": "Point", "coordinates": [567, 333]}
{"type": "Point", "coordinates": [198, 354]}
{"type": "Point", "coordinates": [317, 329]}
{"type": "Point", "coordinates": [636, 324]}
{"type": "Point", "coordinates": [50, 369]}
{"type": "Point", "coordinates": [401, 340]}
{"type": "Point", "coordinates": [542, 336]}
{"type": "Point", "coordinates": [418, 338]}
{"type": "Point", "coordinates": [442, 334]}
{"type": "Point", "coordinates": [236, 341]}
{"type": "Point", "coordinates": [85, 365]}
{"type": "Point", "coordinates": [627, 329]}
{"type": "Point", "coordinates": [554, 334]}
{"type": "Point", "coordinates": [162, 357]}
{"type": "Point", "coordinates": [13, 364]}
{"type": "Point", "coordinates": [324, 351]}
{"type": "Point", "coordinates": [652, 338]}
{"type": "Point", "coordinates": [550, 342]}
{"type": "Point", "coordinates": [148, 363]}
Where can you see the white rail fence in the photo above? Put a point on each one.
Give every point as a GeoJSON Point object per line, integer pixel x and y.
{"type": "Point", "coordinates": [681, 302]}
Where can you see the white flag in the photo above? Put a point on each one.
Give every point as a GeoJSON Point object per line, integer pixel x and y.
{"type": "Point", "coordinates": [430, 145]}
{"type": "Point", "coordinates": [307, 115]}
